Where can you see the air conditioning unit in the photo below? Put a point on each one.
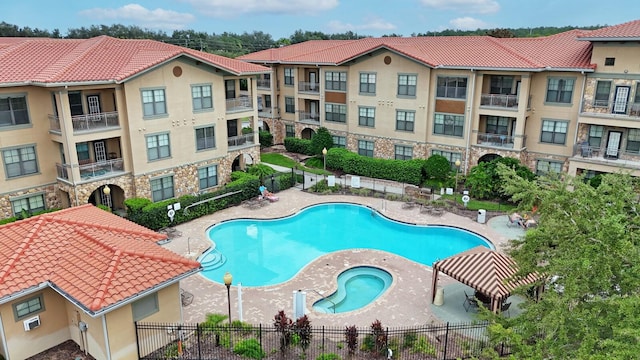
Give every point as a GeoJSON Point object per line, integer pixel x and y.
{"type": "Point", "coordinates": [31, 323]}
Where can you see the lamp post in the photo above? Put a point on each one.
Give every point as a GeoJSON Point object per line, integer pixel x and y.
{"type": "Point", "coordinates": [227, 282]}
{"type": "Point", "coordinates": [457, 170]}
{"type": "Point", "coordinates": [106, 190]}
{"type": "Point", "coordinates": [273, 179]}
{"type": "Point", "coordinates": [324, 158]}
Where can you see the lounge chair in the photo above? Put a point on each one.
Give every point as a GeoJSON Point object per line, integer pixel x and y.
{"type": "Point", "coordinates": [514, 220]}
{"type": "Point", "coordinates": [469, 302]}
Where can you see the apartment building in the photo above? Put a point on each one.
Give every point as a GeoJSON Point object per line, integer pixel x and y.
{"type": "Point", "coordinates": [101, 120]}
{"type": "Point", "coordinates": [566, 103]}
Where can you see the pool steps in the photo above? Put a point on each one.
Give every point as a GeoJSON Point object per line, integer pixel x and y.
{"type": "Point", "coordinates": [212, 259]}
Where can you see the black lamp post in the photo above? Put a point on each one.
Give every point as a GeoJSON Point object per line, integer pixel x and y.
{"type": "Point", "coordinates": [227, 282]}
{"type": "Point", "coordinates": [273, 179]}
{"type": "Point", "coordinates": [457, 170]}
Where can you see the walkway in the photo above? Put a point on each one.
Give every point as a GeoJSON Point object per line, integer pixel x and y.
{"type": "Point", "coordinates": [407, 302]}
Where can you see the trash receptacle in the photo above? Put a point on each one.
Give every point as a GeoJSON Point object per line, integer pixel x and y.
{"type": "Point", "coordinates": [438, 300]}
{"type": "Point", "coordinates": [482, 216]}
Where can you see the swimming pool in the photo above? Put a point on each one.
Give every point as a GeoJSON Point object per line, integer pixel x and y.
{"type": "Point", "coordinates": [268, 252]}
{"type": "Point", "coordinates": [357, 287]}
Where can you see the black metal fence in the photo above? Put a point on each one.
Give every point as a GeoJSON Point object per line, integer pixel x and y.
{"type": "Point", "coordinates": [197, 341]}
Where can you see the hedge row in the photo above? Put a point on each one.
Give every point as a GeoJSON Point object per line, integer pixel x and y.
{"type": "Point", "coordinates": [404, 171]}
{"type": "Point", "coordinates": [299, 146]}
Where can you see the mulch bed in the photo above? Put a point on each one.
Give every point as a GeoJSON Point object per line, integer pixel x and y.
{"type": "Point", "coordinates": [68, 350]}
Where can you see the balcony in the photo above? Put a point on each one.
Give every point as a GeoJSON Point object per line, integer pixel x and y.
{"type": "Point", "coordinates": [88, 122]}
{"type": "Point", "coordinates": [309, 118]}
{"type": "Point", "coordinates": [607, 108]}
{"type": "Point", "coordinates": [499, 101]}
{"type": "Point", "coordinates": [239, 104]}
{"type": "Point", "coordinates": [264, 84]}
{"type": "Point", "coordinates": [92, 171]}
{"type": "Point", "coordinates": [240, 141]}
{"type": "Point", "coordinates": [496, 140]}
{"type": "Point", "coordinates": [269, 113]}
{"type": "Point", "coordinates": [308, 87]}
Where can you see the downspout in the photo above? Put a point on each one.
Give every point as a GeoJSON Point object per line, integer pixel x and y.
{"type": "Point", "coordinates": [106, 336]}
{"type": "Point", "coordinates": [4, 340]}
{"type": "Point", "coordinates": [470, 112]}
{"type": "Point", "coordinates": [584, 82]}
{"type": "Point", "coordinates": [66, 143]}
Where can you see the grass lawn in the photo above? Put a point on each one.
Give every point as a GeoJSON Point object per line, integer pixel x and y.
{"type": "Point", "coordinates": [480, 204]}
{"type": "Point", "coordinates": [281, 160]}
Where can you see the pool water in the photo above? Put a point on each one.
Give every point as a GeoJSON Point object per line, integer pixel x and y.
{"type": "Point", "coordinates": [268, 252]}
{"type": "Point", "coordinates": [357, 287]}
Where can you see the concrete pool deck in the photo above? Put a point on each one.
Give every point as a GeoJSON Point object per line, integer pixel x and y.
{"type": "Point", "coordinates": [406, 302]}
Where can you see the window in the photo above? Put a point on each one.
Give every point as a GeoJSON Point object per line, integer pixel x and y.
{"type": "Point", "coordinates": [452, 157]}
{"type": "Point", "coordinates": [501, 85]}
{"type": "Point", "coordinates": [208, 176]}
{"type": "Point", "coordinates": [446, 124]}
{"type": "Point", "coordinates": [544, 167]}
{"type": "Point", "coordinates": [13, 111]}
{"type": "Point", "coordinates": [288, 76]}
{"type": "Point", "coordinates": [82, 149]}
{"type": "Point", "coordinates": [365, 148]}
{"type": "Point", "coordinates": [405, 120]}
{"type": "Point", "coordinates": [407, 85]}
{"type": "Point", "coordinates": [289, 131]}
{"type": "Point", "coordinates": [554, 132]}
{"type": "Point", "coordinates": [452, 87]}
{"type": "Point", "coordinates": [339, 141]}
{"type": "Point", "coordinates": [609, 61]}
{"type": "Point", "coordinates": [20, 161]}
{"type": "Point", "coordinates": [603, 90]}
{"type": "Point", "coordinates": [153, 102]}
{"type": "Point", "coordinates": [205, 138]}
{"type": "Point", "coordinates": [31, 204]}
{"type": "Point", "coordinates": [201, 97]}
{"type": "Point", "coordinates": [289, 105]}
{"type": "Point", "coordinates": [158, 147]}
{"type": "Point", "coordinates": [367, 83]}
{"type": "Point", "coordinates": [560, 90]}
{"type": "Point", "coordinates": [633, 141]}
{"type": "Point", "coordinates": [267, 101]}
{"type": "Point", "coordinates": [144, 307]}
{"type": "Point", "coordinates": [229, 89]}
{"type": "Point", "coordinates": [404, 152]}
{"type": "Point", "coordinates": [162, 188]}
{"type": "Point", "coordinates": [335, 112]}
{"type": "Point", "coordinates": [75, 103]}
{"type": "Point", "coordinates": [497, 125]}
{"type": "Point", "coordinates": [367, 116]}
{"type": "Point", "coordinates": [635, 100]}
{"type": "Point", "coordinates": [595, 135]}
{"type": "Point", "coordinates": [244, 85]}
{"type": "Point", "coordinates": [28, 307]}
{"type": "Point", "coordinates": [335, 81]}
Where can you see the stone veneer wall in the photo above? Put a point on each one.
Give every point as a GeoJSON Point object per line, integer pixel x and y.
{"type": "Point", "coordinates": [84, 191]}
{"type": "Point", "coordinates": [50, 199]}
{"type": "Point", "coordinates": [277, 129]}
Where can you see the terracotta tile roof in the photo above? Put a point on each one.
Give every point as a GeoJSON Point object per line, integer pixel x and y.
{"type": "Point", "coordinates": [100, 59]}
{"type": "Point", "coordinates": [95, 258]}
{"type": "Point", "coordinates": [561, 51]}
{"type": "Point", "coordinates": [629, 31]}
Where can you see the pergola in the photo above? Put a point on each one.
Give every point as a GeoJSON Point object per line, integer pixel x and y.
{"type": "Point", "coordinates": [488, 271]}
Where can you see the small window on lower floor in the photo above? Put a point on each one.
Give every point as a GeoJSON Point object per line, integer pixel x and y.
{"type": "Point", "coordinates": [339, 141]}
{"type": "Point", "coordinates": [208, 176]}
{"type": "Point", "coordinates": [404, 152]}
{"type": "Point", "coordinates": [365, 148]}
{"type": "Point", "coordinates": [28, 307]}
{"type": "Point", "coordinates": [145, 307]}
{"type": "Point", "coordinates": [290, 131]}
{"type": "Point", "coordinates": [544, 167]}
{"type": "Point", "coordinates": [451, 156]}
{"type": "Point", "coordinates": [162, 188]}
{"type": "Point", "coordinates": [30, 205]}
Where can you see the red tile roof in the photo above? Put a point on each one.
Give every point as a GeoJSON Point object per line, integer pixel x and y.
{"type": "Point", "coordinates": [629, 31]}
{"type": "Point", "coordinates": [42, 61]}
{"type": "Point", "coordinates": [561, 51]}
{"type": "Point", "coordinates": [94, 258]}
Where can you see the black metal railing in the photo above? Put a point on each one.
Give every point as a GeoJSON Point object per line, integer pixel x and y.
{"type": "Point", "coordinates": [199, 341]}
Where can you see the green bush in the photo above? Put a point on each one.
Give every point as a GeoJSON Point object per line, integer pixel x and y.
{"type": "Point", "coordinates": [265, 138]}
{"type": "Point", "coordinates": [438, 169]}
{"type": "Point", "coordinates": [322, 139]}
{"type": "Point", "coordinates": [249, 348]}
{"type": "Point", "coordinates": [404, 171]}
{"type": "Point", "coordinates": [104, 207]}
{"type": "Point", "coordinates": [329, 356]}
{"type": "Point", "coordinates": [300, 146]}
{"type": "Point", "coordinates": [483, 181]}
{"type": "Point", "coordinates": [246, 130]}
{"type": "Point", "coordinates": [423, 346]}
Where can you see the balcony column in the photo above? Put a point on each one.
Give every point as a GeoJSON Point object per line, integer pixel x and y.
{"type": "Point", "coordinates": [68, 138]}
{"type": "Point", "coordinates": [523, 102]}
{"type": "Point", "coordinates": [125, 141]}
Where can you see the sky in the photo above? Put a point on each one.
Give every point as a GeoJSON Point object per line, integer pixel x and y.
{"type": "Point", "coordinates": [281, 18]}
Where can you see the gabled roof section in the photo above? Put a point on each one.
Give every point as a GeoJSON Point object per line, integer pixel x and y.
{"type": "Point", "coordinates": [95, 259]}
{"type": "Point", "coordinates": [629, 31]}
{"type": "Point", "coordinates": [561, 51]}
{"type": "Point", "coordinates": [103, 59]}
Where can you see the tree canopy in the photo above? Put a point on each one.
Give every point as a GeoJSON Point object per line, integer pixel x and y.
{"type": "Point", "coordinates": [588, 243]}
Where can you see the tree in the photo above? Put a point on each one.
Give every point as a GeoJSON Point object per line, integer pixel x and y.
{"type": "Point", "coordinates": [588, 242]}
{"type": "Point", "coordinates": [320, 140]}
{"type": "Point", "coordinates": [437, 168]}
{"type": "Point", "coordinates": [501, 33]}
{"type": "Point", "coordinates": [484, 180]}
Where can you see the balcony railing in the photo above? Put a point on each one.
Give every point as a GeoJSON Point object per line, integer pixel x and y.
{"type": "Point", "coordinates": [240, 140]}
{"type": "Point", "coordinates": [264, 84]}
{"type": "Point", "coordinates": [309, 117]}
{"type": "Point", "coordinates": [496, 140]}
{"type": "Point", "coordinates": [239, 104]}
{"type": "Point", "coordinates": [309, 87]}
{"type": "Point", "coordinates": [91, 171]}
{"type": "Point", "coordinates": [611, 108]}
{"type": "Point", "coordinates": [499, 100]}
{"type": "Point", "coordinates": [88, 122]}
{"type": "Point", "coordinates": [269, 112]}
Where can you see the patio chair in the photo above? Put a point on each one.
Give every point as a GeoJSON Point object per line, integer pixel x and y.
{"type": "Point", "coordinates": [469, 302]}
{"type": "Point", "coordinates": [514, 220]}
{"type": "Point", "coordinates": [505, 307]}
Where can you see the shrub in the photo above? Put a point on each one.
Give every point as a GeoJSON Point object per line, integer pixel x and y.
{"type": "Point", "coordinates": [408, 339]}
{"type": "Point", "coordinates": [265, 138]}
{"type": "Point", "coordinates": [437, 169]}
{"type": "Point", "coordinates": [351, 338]}
{"type": "Point", "coordinates": [329, 356]}
{"type": "Point", "coordinates": [261, 171]}
{"type": "Point", "coordinates": [320, 140]}
{"type": "Point", "coordinates": [302, 328]}
{"type": "Point", "coordinates": [423, 346]}
{"type": "Point", "coordinates": [283, 325]}
{"type": "Point", "coordinates": [246, 130]}
{"type": "Point", "coordinates": [104, 207]}
{"type": "Point", "coordinates": [484, 182]}
{"type": "Point", "coordinates": [249, 348]}
{"type": "Point", "coordinates": [379, 336]}
{"type": "Point", "coordinates": [300, 146]}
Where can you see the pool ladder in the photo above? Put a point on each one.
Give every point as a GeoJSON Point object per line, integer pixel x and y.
{"type": "Point", "coordinates": [325, 298]}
